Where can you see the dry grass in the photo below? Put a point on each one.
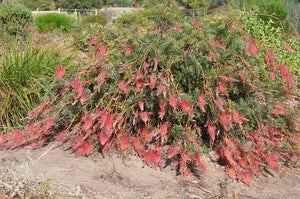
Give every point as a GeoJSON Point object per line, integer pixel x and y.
{"type": "Point", "coordinates": [17, 182]}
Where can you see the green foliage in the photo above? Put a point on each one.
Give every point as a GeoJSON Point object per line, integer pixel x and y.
{"type": "Point", "coordinates": [94, 19]}
{"type": "Point", "coordinates": [76, 4]}
{"type": "Point", "coordinates": [288, 50]}
{"type": "Point", "coordinates": [53, 21]}
{"type": "Point", "coordinates": [14, 21]}
{"type": "Point", "coordinates": [26, 73]}
{"type": "Point", "coordinates": [172, 87]}
{"type": "Point", "coordinates": [34, 4]}
{"type": "Point", "coordinates": [118, 2]}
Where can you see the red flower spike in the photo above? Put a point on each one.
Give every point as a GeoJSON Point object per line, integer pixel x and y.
{"type": "Point", "coordinates": [172, 101]}
{"type": "Point", "coordinates": [237, 118]}
{"type": "Point", "coordinates": [77, 86]}
{"type": "Point", "coordinates": [103, 138]}
{"type": "Point", "coordinates": [286, 75]}
{"type": "Point", "coordinates": [273, 160]}
{"type": "Point", "coordinates": [141, 105]}
{"type": "Point", "coordinates": [162, 111]}
{"type": "Point", "coordinates": [17, 137]}
{"type": "Point", "coordinates": [145, 116]}
{"type": "Point", "coordinates": [211, 130]}
{"type": "Point", "coordinates": [137, 146]}
{"type": "Point", "coordinates": [216, 43]}
{"type": "Point", "coordinates": [155, 62]}
{"type": "Point", "coordinates": [59, 71]}
{"type": "Point", "coordinates": [172, 151]}
{"type": "Point", "coordinates": [177, 28]}
{"type": "Point", "coordinates": [279, 110]}
{"type": "Point", "coordinates": [287, 47]}
{"type": "Point", "coordinates": [221, 88]}
{"type": "Point", "coordinates": [245, 177]}
{"type": "Point", "coordinates": [85, 148]}
{"type": "Point", "coordinates": [219, 103]}
{"type": "Point", "coordinates": [61, 136]}
{"type": "Point", "coordinates": [79, 142]}
{"type": "Point", "coordinates": [123, 85]}
{"type": "Point", "coordinates": [124, 140]}
{"type": "Point", "coordinates": [270, 55]}
{"type": "Point", "coordinates": [243, 77]}
{"type": "Point", "coordinates": [146, 64]}
{"type": "Point", "coordinates": [198, 162]}
{"type": "Point", "coordinates": [225, 120]}
{"type": "Point", "coordinates": [162, 89]}
{"type": "Point", "coordinates": [49, 121]}
{"type": "Point", "coordinates": [201, 102]}
{"type": "Point", "coordinates": [152, 83]}
{"type": "Point", "coordinates": [164, 130]}
{"type": "Point", "coordinates": [228, 79]}
{"type": "Point", "coordinates": [88, 122]}
{"type": "Point", "coordinates": [184, 105]}
{"type": "Point", "coordinates": [101, 79]}
{"type": "Point", "coordinates": [93, 41]}
{"type": "Point", "coordinates": [196, 24]}
{"type": "Point", "coordinates": [231, 172]}
{"type": "Point", "coordinates": [212, 57]}
{"type": "Point", "coordinates": [251, 48]}
{"type": "Point", "coordinates": [128, 48]}
{"type": "Point", "coordinates": [101, 51]}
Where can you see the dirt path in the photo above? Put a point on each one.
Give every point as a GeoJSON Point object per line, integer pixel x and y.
{"type": "Point", "coordinates": [57, 173]}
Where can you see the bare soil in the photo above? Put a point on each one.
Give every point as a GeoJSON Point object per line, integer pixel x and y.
{"type": "Point", "coordinates": [52, 172]}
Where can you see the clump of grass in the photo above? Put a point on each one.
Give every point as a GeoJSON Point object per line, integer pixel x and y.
{"type": "Point", "coordinates": [24, 74]}
{"type": "Point", "coordinates": [53, 21]}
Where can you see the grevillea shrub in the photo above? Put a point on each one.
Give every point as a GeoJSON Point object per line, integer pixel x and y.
{"type": "Point", "coordinates": [169, 90]}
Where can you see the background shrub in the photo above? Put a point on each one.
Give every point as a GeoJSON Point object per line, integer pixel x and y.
{"type": "Point", "coordinates": [54, 21]}
{"type": "Point", "coordinates": [25, 74]}
{"type": "Point", "coordinates": [94, 19]}
{"type": "Point", "coordinates": [14, 20]}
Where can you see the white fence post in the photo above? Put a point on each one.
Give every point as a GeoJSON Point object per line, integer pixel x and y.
{"type": "Point", "coordinates": [37, 10]}
{"type": "Point", "coordinates": [58, 10]}
{"type": "Point", "coordinates": [75, 14]}
{"type": "Point", "coordinates": [96, 11]}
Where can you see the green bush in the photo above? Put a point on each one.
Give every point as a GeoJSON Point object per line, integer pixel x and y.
{"type": "Point", "coordinates": [94, 19]}
{"type": "Point", "coordinates": [14, 21]}
{"type": "Point", "coordinates": [54, 21]}
{"type": "Point", "coordinates": [25, 75]}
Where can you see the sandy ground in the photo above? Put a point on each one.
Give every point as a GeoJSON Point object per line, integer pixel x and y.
{"type": "Point", "coordinates": [53, 172]}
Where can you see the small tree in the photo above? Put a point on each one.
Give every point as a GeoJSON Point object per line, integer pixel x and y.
{"type": "Point", "coordinates": [76, 4]}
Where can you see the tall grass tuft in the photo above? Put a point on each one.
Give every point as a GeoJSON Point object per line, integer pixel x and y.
{"type": "Point", "coordinates": [25, 72]}
{"type": "Point", "coordinates": [53, 21]}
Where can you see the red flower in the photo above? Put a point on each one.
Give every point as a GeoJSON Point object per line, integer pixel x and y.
{"type": "Point", "coordinates": [145, 116]}
{"type": "Point", "coordinates": [124, 140]}
{"type": "Point", "coordinates": [93, 41]}
{"type": "Point", "coordinates": [201, 102]}
{"type": "Point", "coordinates": [88, 122]}
{"type": "Point", "coordinates": [101, 79]}
{"type": "Point", "coordinates": [59, 71]}
{"type": "Point", "coordinates": [141, 105]}
{"type": "Point", "coordinates": [128, 48]}
{"type": "Point", "coordinates": [216, 43]}
{"type": "Point", "coordinates": [172, 101]}
{"type": "Point", "coordinates": [123, 85]}
{"type": "Point", "coordinates": [286, 47]}
{"type": "Point", "coordinates": [228, 79]}
{"type": "Point", "coordinates": [177, 28]}
{"type": "Point", "coordinates": [195, 24]}
{"type": "Point", "coordinates": [101, 51]}
{"type": "Point", "coordinates": [162, 111]}
{"type": "Point", "coordinates": [251, 48]}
